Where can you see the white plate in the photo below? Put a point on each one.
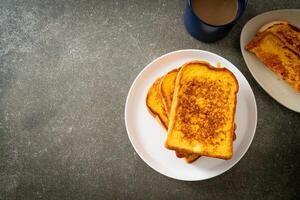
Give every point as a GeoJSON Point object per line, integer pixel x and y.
{"type": "Point", "coordinates": [269, 81]}
{"type": "Point", "coordinates": [148, 137]}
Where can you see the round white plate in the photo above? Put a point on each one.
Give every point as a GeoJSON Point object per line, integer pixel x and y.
{"type": "Point", "coordinates": [269, 81]}
{"type": "Point", "coordinates": [148, 137]}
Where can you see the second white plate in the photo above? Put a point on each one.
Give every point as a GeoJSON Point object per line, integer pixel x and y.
{"type": "Point", "coordinates": [269, 81]}
{"type": "Point", "coordinates": [148, 137]}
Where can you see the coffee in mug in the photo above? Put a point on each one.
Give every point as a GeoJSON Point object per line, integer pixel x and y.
{"type": "Point", "coordinates": [215, 12]}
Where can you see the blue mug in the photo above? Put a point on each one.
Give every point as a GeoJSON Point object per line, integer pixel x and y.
{"type": "Point", "coordinates": [207, 32]}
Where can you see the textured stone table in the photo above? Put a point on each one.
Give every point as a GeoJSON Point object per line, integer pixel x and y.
{"type": "Point", "coordinates": [65, 71]}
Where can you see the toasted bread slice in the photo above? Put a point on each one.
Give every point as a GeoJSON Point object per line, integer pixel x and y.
{"type": "Point", "coordinates": [277, 45]}
{"type": "Point", "coordinates": [203, 111]}
{"type": "Point", "coordinates": [167, 89]}
{"type": "Point", "coordinates": [188, 157]}
{"type": "Point", "coordinates": [288, 33]}
{"type": "Point", "coordinates": [155, 106]}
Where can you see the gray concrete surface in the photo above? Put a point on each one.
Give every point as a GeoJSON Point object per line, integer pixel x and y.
{"type": "Point", "coordinates": [65, 70]}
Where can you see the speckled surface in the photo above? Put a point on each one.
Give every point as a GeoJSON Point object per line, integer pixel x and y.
{"type": "Point", "coordinates": [65, 71]}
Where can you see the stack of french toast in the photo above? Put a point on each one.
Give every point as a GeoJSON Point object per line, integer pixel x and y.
{"type": "Point", "coordinates": [196, 104]}
{"type": "Point", "coordinates": [277, 45]}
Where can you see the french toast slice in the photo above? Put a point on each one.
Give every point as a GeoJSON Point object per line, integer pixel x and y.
{"type": "Point", "coordinates": [203, 111]}
{"type": "Point", "coordinates": [156, 108]}
{"type": "Point", "coordinates": [277, 45]}
{"type": "Point", "coordinates": [288, 33]}
{"type": "Point", "coordinates": [167, 86]}
{"type": "Point", "coordinates": [155, 105]}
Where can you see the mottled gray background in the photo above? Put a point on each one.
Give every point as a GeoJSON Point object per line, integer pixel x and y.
{"type": "Point", "coordinates": [65, 70]}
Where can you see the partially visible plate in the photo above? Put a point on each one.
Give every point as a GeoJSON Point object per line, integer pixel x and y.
{"type": "Point", "coordinates": [269, 81]}
{"type": "Point", "coordinates": [148, 137]}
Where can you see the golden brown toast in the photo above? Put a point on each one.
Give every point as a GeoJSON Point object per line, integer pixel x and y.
{"type": "Point", "coordinates": [189, 157]}
{"type": "Point", "coordinates": [277, 45]}
{"type": "Point", "coordinates": [167, 88]}
{"type": "Point", "coordinates": [288, 33]}
{"type": "Point", "coordinates": [155, 106]}
{"type": "Point", "coordinates": [203, 111]}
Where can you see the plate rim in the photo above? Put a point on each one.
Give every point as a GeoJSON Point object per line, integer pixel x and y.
{"type": "Point", "coordinates": [247, 64]}
{"type": "Point", "coordinates": [154, 167]}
